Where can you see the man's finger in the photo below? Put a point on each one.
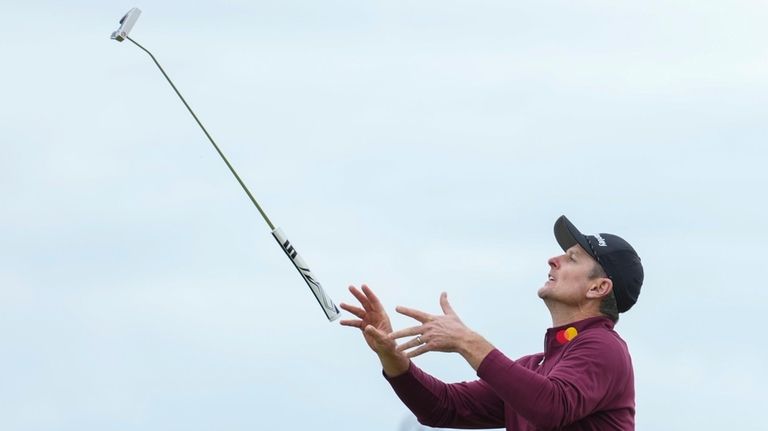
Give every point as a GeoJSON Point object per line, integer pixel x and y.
{"type": "Point", "coordinates": [416, 352]}
{"type": "Point", "coordinates": [409, 344]}
{"type": "Point", "coordinates": [361, 298]}
{"type": "Point", "coordinates": [447, 309]}
{"type": "Point", "coordinates": [357, 311]}
{"type": "Point", "coordinates": [416, 314]}
{"type": "Point", "coordinates": [372, 298]}
{"type": "Point", "coordinates": [375, 333]}
{"type": "Point", "coordinates": [407, 332]}
{"type": "Point", "coordinates": [351, 322]}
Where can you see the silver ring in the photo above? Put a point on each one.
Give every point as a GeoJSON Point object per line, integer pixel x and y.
{"type": "Point", "coordinates": [418, 339]}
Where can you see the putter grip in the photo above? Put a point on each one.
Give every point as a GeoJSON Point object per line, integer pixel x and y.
{"type": "Point", "coordinates": [329, 308]}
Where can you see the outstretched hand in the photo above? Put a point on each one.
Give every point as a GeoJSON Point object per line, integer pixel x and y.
{"type": "Point", "coordinates": [439, 333]}
{"type": "Point", "coordinates": [376, 327]}
{"type": "Point", "coordinates": [371, 319]}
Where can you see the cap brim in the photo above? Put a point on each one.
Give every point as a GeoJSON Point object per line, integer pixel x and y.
{"type": "Point", "coordinates": [567, 236]}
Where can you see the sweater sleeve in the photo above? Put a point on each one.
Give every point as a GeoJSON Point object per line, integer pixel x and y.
{"type": "Point", "coordinates": [456, 405]}
{"type": "Point", "coordinates": [587, 376]}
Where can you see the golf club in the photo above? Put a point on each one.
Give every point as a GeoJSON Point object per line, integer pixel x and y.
{"type": "Point", "coordinates": [329, 308]}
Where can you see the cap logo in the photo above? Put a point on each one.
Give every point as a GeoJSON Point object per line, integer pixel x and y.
{"type": "Point", "coordinates": [600, 240]}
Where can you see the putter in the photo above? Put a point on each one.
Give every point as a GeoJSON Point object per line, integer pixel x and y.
{"type": "Point", "coordinates": [329, 308]}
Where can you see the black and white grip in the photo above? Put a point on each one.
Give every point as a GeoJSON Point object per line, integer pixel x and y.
{"type": "Point", "coordinates": [329, 308]}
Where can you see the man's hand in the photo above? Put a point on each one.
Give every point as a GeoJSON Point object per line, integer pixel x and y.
{"type": "Point", "coordinates": [442, 333]}
{"type": "Point", "coordinates": [376, 327]}
{"type": "Point", "coordinates": [373, 320]}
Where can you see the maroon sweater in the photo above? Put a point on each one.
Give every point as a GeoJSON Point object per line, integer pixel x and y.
{"type": "Point", "coordinates": [582, 381]}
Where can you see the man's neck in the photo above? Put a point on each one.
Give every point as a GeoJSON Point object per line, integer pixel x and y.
{"type": "Point", "coordinates": [563, 314]}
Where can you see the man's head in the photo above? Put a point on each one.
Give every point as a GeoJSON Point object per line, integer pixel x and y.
{"type": "Point", "coordinates": [575, 281]}
{"type": "Point", "coordinates": [593, 268]}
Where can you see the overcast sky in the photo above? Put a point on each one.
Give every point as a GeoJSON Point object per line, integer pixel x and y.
{"type": "Point", "coordinates": [418, 146]}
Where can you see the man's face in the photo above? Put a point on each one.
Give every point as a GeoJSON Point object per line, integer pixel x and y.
{"type": "Point", "coordinates": [569, 280]}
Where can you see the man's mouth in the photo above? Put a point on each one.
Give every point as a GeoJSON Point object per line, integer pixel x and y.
{"type": "Point", "coordinates": [550, 277]}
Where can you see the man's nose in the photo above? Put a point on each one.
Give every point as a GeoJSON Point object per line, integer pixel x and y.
{"type": "Point", "coordinates": [554, 262]}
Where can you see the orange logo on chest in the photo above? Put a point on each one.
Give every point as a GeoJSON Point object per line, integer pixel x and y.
{"type": "Point", "coordinates": [565, 335]}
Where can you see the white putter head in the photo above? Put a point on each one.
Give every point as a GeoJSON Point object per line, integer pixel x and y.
{"type": "Point", "coordinates": [126, 24]}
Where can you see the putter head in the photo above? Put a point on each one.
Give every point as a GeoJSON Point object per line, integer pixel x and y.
{"type": "Point", "coordinates": [126, 24]}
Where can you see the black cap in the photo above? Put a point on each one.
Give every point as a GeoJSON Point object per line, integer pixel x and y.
{"type": "Point", "coordinates": [618, 259]}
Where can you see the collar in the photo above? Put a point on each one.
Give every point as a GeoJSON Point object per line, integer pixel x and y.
{"type": "Point", "coordinates": [559, 336]}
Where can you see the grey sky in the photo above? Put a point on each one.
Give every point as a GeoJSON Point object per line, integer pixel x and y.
{"type": "Point", "coordinates": [419, 146]}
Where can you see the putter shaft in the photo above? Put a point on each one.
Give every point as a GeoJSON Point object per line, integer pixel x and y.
{"type": "Point", "coordinates": [223, 157]}
{"type": "Point", "coordinates": [329, 308]}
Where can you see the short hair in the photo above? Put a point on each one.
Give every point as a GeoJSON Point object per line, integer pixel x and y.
{"type": "Point", "coordinates": [608, 305]}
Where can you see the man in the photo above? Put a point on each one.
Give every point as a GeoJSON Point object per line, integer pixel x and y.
{"type": "Point", "coordinates": [582, 381]}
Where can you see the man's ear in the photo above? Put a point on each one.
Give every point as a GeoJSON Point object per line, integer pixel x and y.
{"type": "Point", "coordinates": [600, 288]}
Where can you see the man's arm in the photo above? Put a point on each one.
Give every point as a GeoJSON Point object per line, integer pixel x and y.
{"type": "Point", "coordinates": [589, 374]}
{"type": "Point", "coordinates": [465, 405]}
{"type": "Point", "coordinates": [456, 405]}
